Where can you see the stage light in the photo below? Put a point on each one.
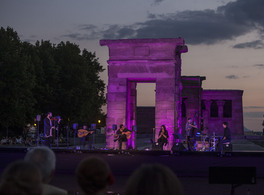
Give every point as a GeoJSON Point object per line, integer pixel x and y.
{"type": "Point", "coordinates": [38, 119]}
{"type": "Point", "coordinates": [75, 126]}
{"type": "Point", "coordinates": [114, 127]}
{"type": "Point", "coordinates": [35, 124]}
{"type": "Point", "coordinates": [93, 126]}
{"type": "Point", "coordinates": [99, 121]}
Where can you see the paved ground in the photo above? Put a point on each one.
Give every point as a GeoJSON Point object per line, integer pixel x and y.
{"type": "Point", "coordinates": [191, 168]}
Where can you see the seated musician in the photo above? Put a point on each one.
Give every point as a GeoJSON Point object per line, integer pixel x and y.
{"type": "Point", "coordinates": [122, 135]}
{"type": "Point", "coordinates": [84, 135]}
{"type": "Point", "coordinates": [227, 136]}
{"type": "Point", "coordinates": [163, 137]}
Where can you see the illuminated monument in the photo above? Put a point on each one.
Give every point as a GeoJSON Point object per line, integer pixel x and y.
{"type": "Point", "coordinates": [158, 61]}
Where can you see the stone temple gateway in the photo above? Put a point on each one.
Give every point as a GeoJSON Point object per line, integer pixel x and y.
{"type": "Point", "coordinates": [158, 61]}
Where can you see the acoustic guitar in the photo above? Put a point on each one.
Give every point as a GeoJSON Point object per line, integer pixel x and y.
{"type": "Point", "coordinates": [128, 135]}
{"type": "Point", "coordinates": [83, 133]}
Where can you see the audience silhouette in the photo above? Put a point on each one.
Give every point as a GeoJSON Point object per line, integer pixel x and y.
{"type": "Point", "coordinates": [45, 159]}
{"type": "Point", "coordinates": [155, 179]}
{"type": "Point", "coordinates": [21, 178]}
{"type": "Point", "coordinates": [94, 176]}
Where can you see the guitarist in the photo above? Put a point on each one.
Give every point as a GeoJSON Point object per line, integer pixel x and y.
{"type": "Point", "coordinates": [85, 137]}
{"type": "Point", "coordinates": [122, 135]}
{"type": "Point", "coordinates": [48, 129]}
{"type": "Point", "coordinates": [190, 133]}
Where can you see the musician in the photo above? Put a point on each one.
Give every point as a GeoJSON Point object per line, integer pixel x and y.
{"type": "Point", "coordinates": [163, 137]}
{"type": "Point", "coordinates": [48, 129]}
{"type": "Point", "coordinates": [227, 136]}
{"type": "Point", "coordinates": [55, 121]}
{"type": "Point", "coordinates": [121, 135]}
{"type": "Point", "coordinates": [190, 133]}
{"type": "Point", "coordinates": [86, 138]}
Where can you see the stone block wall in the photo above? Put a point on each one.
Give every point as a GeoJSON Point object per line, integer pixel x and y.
{"type": "Point", "coordinates": [143, 60]}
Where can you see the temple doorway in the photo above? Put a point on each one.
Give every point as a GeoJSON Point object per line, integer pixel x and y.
{"type": "Point", "coordinates": [145, 113]}
{"type": "Point", "coordinates": [133, 61]}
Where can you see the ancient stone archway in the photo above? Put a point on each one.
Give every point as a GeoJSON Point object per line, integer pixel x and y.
{"type": "Point", "coordinates": [143, 60]}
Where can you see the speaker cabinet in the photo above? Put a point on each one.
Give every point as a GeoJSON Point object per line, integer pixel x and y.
{"type": "Point", "coordinates": [232, 175]}
{"type": "Point", "coordinates": [177, 147]}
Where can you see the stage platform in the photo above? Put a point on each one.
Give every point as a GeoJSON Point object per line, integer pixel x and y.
{"type": "Point", "coordinates": [192, 168]}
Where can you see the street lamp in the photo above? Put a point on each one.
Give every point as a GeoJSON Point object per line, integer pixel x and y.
{"type": "Point", "coordinates": [38, 118]}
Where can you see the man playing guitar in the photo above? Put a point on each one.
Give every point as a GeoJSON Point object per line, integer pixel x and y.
{"type": "Point", "coordinates": [122, 135]}
{"type": "Point", "coordinates": [48, 129]}
{"type": "Point", "coordinates": [84, 135]}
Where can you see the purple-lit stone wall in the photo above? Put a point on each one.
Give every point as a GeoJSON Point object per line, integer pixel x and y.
{"type": "Point", "coordinates": [191, 97]}
{"type": "Point", "coordinates": [143, 60]}
{"type": "Point", "coordinates": [214, 124]}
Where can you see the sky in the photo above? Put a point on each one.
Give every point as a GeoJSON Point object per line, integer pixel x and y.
{"type": "Point", "coordinates": [225, 38]}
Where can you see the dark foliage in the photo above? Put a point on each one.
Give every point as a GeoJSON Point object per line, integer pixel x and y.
{"type": "Point", "coordinates": [35, 79]}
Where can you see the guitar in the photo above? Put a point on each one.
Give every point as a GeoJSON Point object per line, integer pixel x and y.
{"type": "Point", "coordinates": [127, 133]}
{"type": "Point", "coordinates": [83, 133]}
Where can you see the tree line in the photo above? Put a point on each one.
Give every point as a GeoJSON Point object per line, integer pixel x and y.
{"type": "Point", "coordinates": [41, 77]}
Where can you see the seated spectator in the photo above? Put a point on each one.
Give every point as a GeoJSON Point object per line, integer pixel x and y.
{"type": "Point", "coordinates": [44, 158]}
{"type": "Point", "coordinates": [19, 140]}
{"type": "Point", "coordinates": [6, 140]}
{"type": "Point", "coordinates": [153, 179]}
{"type": "Point", "coordinates": [3, 141]}
{"type": "Point", "coordinates": [10, 140]}
{"type": "Point", "coordinates": [21, 178]}
{"type": "Point", "coordinates": [94, 176]}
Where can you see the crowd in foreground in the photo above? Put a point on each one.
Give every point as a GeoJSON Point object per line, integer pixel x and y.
{"type": "Point", "coordinates": [32, 176]}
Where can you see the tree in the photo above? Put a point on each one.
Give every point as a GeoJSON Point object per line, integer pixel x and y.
{"type": "Point", "coordinates": [16, 81]}
{"type": "Point", "coordinates": [81, 91]}
{"type": "Point", "coordinates": [46, 77]}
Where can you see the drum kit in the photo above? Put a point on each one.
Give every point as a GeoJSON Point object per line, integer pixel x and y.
{"type": "Point", "coordinates": [207, 143]}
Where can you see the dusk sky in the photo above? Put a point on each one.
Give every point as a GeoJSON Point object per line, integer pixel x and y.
{"type": "Point", "coordinates": [225, 37]}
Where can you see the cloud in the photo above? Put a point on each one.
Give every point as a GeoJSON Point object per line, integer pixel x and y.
{"type": "Point", "coordinates": [260, 66]}
{"type": "Point", "coordinates": [88, 27]}
{"type": "Point", "coordinates": [151, 16]}
{"type": "Point", "coordinates": [91, 32]}
{"type": "Point", "coordinates": [157, 2]}
{"type": "Point", "coordinates": [232, 77]}
{"type": "Point", "coordinates": [258, 44]}
{"type": "Point", "coordinates": [233, 66]}
{"type": "Point", "coordinates": [245, 12]}
{"type": "Point", "coordinates": [32, 39]}
{"type": "Point", "coordinates": [253, 107]}
{"type": "Point", "coordinates": [253, 115]}
{"type": "Point", "coordinates": [246, 76]}
{"type": "Point", "coordinates": [196, 27]}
